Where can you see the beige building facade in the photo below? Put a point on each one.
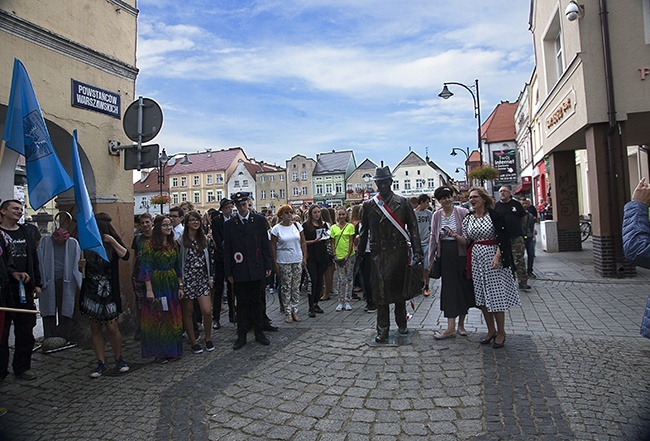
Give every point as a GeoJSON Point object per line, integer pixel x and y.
{"type": "Point", "coordinates": [591, 94]}
{"type": "Point", "coordinates": [300, 171]}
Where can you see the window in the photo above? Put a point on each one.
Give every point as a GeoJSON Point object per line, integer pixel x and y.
{"type": "Point", "coordinates": [208, 179]}
{"type": "Point", "coordinates": [197, 197]}
{"type": "Point", "coordinates": [328, 188]}
{"type": "Point", "coordinates": [369, 187]}
{"type": "Point", "coordinates": [262, 178]}
{"type": "Point", "coordinates": [304, 191]}
{"type": "Point", "coordinates": [244, 183]}
{"type": "Point", "coordinates": [263, 194]}
{"type": "Point", "coordinates": [294, 165]}
{"type": "Point", "coordinates": [418, 172]}
{"type": "Point", "coordinates": [271, 178]}
{"type": "Point", "coordinates": [183, 197]}
{"type": "Point", "coordinates": [359, 187]}
{"type": "Point", "coordinates": [303, 165]}
{"type": "Point", "coordinates": [175, 198]}
{"type": "Point", "coordinates": [296, 192]}
{"type": "Point", "coordinates": [431, 182]}
{"type": "Point", "coordinates": [419, 183]}
{"type": "Point", "coordinates": [219, 195]}
{"type": "Point", "coordinates": [349, 187]}
{"type": "Point", "coordinates": [294, 176]}
{"type": "Point", "coordinates": [319, 188]}
{"type": "Point", "coordinates": [281, 177]}
{"type": "Point", "coordinates": [210, 195]}
{"type": "Point", "coordinates": [339, 187]}
{"type": "Point", "coordinates": [553, 51]}
{"type": "Point", "coordinates": [303, 176]}
{"type": "Point", "coordinates": [174, 182]}
{"type": "Point", "coordinates": [559, 62]}
{"type": "Point", "coordinates": [406, 173]}
{"type": "Point", "coordinates": [219, 178]}
{"type": "Point", "coordinates": [183, 181]}
{"type": "Point", "coordinates": [273, 194]}
{"type": "Point", "coordinates": [407, 184]}
{"type": "Point", "coordinates": [282, 195]}
{"type": "Point", "coordinates": [197, 180]}
{"type": "Point", "coordinates": [395, 185]}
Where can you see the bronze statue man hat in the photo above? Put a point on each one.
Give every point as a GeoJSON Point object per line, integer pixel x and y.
{"type": "Point", "coordinates": [382, 174]}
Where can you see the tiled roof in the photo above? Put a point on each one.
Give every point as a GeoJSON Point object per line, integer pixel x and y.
{"type": "Point", "coordinates": [206, 161]}
{"type": "Point", "coordinates": [500, 125]}
{"type": "Point", "coordinates": [332, 162]}
{"type": "Point", "coordinates": [150, 183]}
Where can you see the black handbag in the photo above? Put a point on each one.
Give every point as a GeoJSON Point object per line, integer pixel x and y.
{"type": "Point", "coordinates": [436, 269]}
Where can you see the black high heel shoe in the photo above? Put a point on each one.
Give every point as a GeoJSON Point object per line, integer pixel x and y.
{"type": "Point", "coordinates": [488, 339]}
{"type": "Point", "coordinates": [498, 345]}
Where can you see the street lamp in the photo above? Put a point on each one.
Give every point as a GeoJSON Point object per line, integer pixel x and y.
{"type": "Point", "coordinates": [163, 159]}
{"type": "Point", "coordinates": [446, 94]}
{"type": "Point", "coordinates": [465, 152]}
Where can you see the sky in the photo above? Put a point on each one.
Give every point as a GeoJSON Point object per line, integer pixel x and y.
{"type": "Point", "coordinates": [286, 77]}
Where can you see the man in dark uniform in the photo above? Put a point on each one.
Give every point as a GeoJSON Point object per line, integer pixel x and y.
{"type": "Point", "coordinates": [218, 220]}
{"type": "Point", "coordinates": [389, 250]}
{"type": "Point", "coordinates": [247, 261]}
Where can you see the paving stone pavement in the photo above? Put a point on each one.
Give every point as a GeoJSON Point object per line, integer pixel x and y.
{"type": "Point", "coordinates": [574, 367]}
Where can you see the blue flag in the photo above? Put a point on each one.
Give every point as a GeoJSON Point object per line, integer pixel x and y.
{"type": "Point", "coordinates": [87, 231]}
{"type": "Point", "coordinates": [25, 132]}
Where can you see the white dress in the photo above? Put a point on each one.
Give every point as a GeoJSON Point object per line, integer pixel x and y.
{"type": "Point", "coordinates": [496, 289]}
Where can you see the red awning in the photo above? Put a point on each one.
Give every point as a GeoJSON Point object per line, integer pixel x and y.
{"type": "Point", "coordinates": [522, 188]}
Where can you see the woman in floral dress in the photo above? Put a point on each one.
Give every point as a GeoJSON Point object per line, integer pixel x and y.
{"type": "Point", "coordinates": [160, 270]}
{"type": "Point", "coordinates": [198, 281]}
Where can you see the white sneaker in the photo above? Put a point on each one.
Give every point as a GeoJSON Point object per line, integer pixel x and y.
{"type": "Point", "coordinates": [347, 306]}
{"type": "Point", "coordinates": [339, 307]}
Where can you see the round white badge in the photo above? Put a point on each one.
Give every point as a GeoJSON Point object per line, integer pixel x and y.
{"type": "Point", "coordinates": [239, 257]}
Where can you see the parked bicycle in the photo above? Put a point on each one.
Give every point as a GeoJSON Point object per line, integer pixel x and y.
{"type": "Point", "coordinates": [585, 229]}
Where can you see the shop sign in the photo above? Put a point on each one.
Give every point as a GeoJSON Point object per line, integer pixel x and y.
{"type": "Point", "coordinates": [505, 162]}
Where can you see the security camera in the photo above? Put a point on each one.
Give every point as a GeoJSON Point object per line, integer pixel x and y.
{"type": "Point", "coordinates": [573, 11]}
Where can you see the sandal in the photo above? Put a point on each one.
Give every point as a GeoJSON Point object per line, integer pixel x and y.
{"type": "Point", "coordinates": [288, 319]}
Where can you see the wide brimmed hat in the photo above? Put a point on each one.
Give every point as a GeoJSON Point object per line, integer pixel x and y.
{"type": "Point", "coordinates": [382, 173]}
{"type": "Point", "coordinates": [240, 196]}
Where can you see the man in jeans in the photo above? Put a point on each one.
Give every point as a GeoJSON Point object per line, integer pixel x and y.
{"type": "Point", "coordinates": [515, 216]}
{"type": "Point", "coordinates": [424, 216]}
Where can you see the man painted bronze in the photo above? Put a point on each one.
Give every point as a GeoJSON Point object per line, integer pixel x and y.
{"type": "Point", "coordinates": [390, 251]}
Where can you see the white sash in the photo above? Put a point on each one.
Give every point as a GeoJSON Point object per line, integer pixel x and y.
{"type": "Point", "coordinates": [392, 218]}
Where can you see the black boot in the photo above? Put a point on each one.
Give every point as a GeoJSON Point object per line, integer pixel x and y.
{"type": "Point", "coordinates": [240, 342]}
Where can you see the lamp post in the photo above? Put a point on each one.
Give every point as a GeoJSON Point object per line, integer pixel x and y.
{"type": "Point", "coordinates": [465, 152]}
{"type": "Point", "coordinates": [446, 94]}
{"type": "Point", "coordinates": [163, 159]}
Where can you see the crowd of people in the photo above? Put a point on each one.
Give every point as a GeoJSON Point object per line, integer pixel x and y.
{"type": "Point", "coordinates": [188, 266]}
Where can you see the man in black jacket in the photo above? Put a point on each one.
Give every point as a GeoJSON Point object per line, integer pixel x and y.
{"type": "Point", "coordinates": [25, 257]}
{"type": "Point", "coordinates": [247, 261]}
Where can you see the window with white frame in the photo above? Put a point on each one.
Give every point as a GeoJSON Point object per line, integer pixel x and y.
{"type": "Point", "coordinates": [197, 197]}
{"type": "Point", "coordinates": [395, 185]}
{"type": "Point", "coordinates": [303, 176]}
{"type": "Point", "coordinates": [174, 182]}
{"type": "Point", "coordinates": [319, 188]}
{"type": "Point", "coordinates": [407, 184]}
{"type": "Point", "coordinates": [210, 195]}
{"type": "Point", "coordinates": [262, 178]}
{"type": "Point", "coordinates": [271, 178]}
{"type": "Point", "coordinates": [304, 191]}
{"type": "Point", "coordinates": [273, 194]}
{"type": "Point", "coordinates": [282, 193]}
{"type": "Point", "coordinates": [294, 176]}
{"type": "Point", "coordinates": [175, 198]}
{"type": "Point", "coordinates": [183, 181]}
{"type": "Point", "coordinates": [208, 179]}
{"type": "Point", "coordinates": [359, 187]}
{"type": "Point", "coordinates": [369, 187]}
{"type": "Point", "coordinates": [236, 183]}
{"type": "Point", "coordinates": [219, 195]}
{"type": "Point", "coordinates": [244, 183]}
{"type": "Point", "coordinates": [553, 50]}
{"type": "Point", "coordinates": [219, 178]}
{"type": "Point", "coordinates": [328, 188]}
{"type": "Point", "coordinates": [339, 187]}
{"type": "Point", "coordinates": [183, 197]}
{"type": "Point", "coordinates": [281, 177]}
{"type": "Point", "coordinates": [296, 191]}
{"type": "Point", "coordinates": [419, 183]}
{"type": "Point", "coordinates": [197, 180]}
{"type": "Point", "coordinates": [263, 194]}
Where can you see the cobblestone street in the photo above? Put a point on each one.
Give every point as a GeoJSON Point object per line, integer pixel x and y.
{"type": "Point", "coordinates": [573, 367]}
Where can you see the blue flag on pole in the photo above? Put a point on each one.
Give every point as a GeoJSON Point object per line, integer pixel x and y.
{"type": "Point", "coordinates": [88, 233]}
{"type": "Point", "coordinates": [25, 132]}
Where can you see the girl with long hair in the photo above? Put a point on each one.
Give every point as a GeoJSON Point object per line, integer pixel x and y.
{"type": "Point", "coordinates": [160, 269]}
{"type": "Point", "coordinates": [318, 259]}
{"type": "Point", "coordinates": [100, 299]}
{"type": "Point", "coordinates": [342, 236]}
{"type": "Point", "coordinates": [198, 280]}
